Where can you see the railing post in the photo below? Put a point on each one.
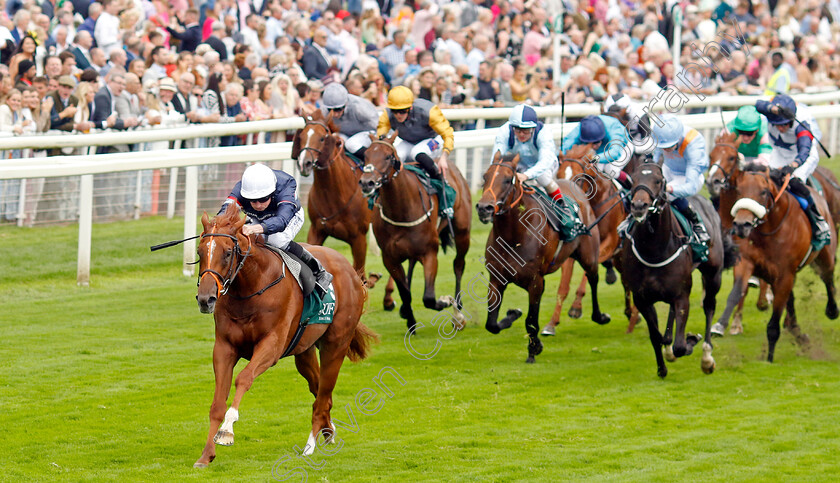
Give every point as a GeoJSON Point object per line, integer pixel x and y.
{"type": "Point", "coordinates": [461, 160]}
{"type": "Point", "coordinates": [21, 214]}
{"type": "Point", "coordinates": [173, 187]}
{"type": "Point", "coordinates": [138, 195]}
{"type": "Point", "coordinates": [190, 213]}
{"type": "Point", "coordinates": [85, 226]}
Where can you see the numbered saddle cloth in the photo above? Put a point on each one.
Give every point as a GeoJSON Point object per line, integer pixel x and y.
{"type": "Point", "coordinates": [317, 310]}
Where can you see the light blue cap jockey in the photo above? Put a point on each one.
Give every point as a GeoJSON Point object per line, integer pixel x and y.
{"type": "Point", "coordinates": [669, 133]}
{"type": "Point", "coordinates": [683, 167]}
{"type": "Point", "coordinates": [537, 158]}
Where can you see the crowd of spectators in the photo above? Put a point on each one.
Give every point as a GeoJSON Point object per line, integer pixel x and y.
{"type": "Point", "coordinates": [76, 65]}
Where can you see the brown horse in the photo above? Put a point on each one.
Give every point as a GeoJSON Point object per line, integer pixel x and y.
{"type": "Point", "coordinates": [782, 244]}
{"type": "Point", "coordinates": [605, 200]}
{"type": "Point", "coordinates": [406, 224]}
{"type": "Point", "coordinates": [257, 307]}
{"type": "Point", "coordinates": [336, 206]}
{"type": "Point", "coordinates": [658, 265]}
{"type": "Point", "coordinates": [724, 169]}
{"type": "Point", "coordinates": [523, 246]}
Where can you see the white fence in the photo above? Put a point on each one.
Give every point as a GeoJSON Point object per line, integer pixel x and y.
{"type": "Point", "coordinates": [469, 146]}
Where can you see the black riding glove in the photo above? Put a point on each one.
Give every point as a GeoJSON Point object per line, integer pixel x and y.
{"type": "Point", "coordinates": [787, 170]}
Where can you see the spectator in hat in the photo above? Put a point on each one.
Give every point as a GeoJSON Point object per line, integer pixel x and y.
{"type": "Point", "coordinates": [64, 104]}
{"type": "Point", "coordinates": [26, 72]}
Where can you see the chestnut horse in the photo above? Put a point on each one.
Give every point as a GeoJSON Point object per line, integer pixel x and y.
{"type": "Point", "coordinates": [658, 265]}
{"type": "Point", "coordinates": [336, 206]}
{"type": "Point", "coordinates": [725, 167]}
{"type": "Point", "coordinates": [605, 200]}
{"type": "Point", "coordinates": [405, 223]}
{"type": "Point", "coordinates": [782, 246]}
{"type": "Point", "coordinates": [257, 307]}
{"type": "Point", "coordinates": [523, 246]}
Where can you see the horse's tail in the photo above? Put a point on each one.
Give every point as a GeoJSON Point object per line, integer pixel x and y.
{"type": "Point", "coordinates": [730, 250]}
{"type": "Point", "coordinates": [445, 236]}
{"type": "Point", "coordinates": [360, 345]}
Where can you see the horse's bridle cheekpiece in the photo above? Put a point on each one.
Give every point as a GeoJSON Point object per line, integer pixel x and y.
{"type": "Point", "coordinates": [224, 282]}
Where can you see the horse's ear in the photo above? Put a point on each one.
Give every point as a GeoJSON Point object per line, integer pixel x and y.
{"type": "Point", "coordinates": [239, 224]}
{"type": "Point", "coordinates": [515, 160]}
{"type": "Point", "coordinates": [296, 145]}
{"type": "Point", "coordinates": [327, 150]}
{"type": "Point", "coordinates": [393, 136]}
{"type": "Point", "coordinates": [372, 137]}
{"type": "Point", "coordinates": [497, 157]}
{"type": "Point", "coordinates": [205, 222]}
{"type": "Point", "coordinates": [232, 209]}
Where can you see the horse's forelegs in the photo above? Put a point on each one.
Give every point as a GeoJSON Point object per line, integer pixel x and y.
{"type": "Point", "coordinates": [681, 346]}
{"type": "Point", "coordinates": [825, 269]}
{"type": "Point", "coordinates": [430, 267]}
{"type": "Point", "coordinates": [763, 302]}
{"type": "Point", "coordinates": [307, 365]}
{"type": "Point", "coordinates": [388, 301]}
{"type": "Point", "coordinates": [781, 291]}
{"type": "Point", "coordinates": [532, 321]}
{"type": "Point", "coordinates": [265, 354]}
{"type": "Point", "coordinates": [649, 313]}
{"type": "Point", "coordinates": [224, 358]}
{"type": "Point", "coordinates": [592, 277]}
{"type": "Point", "coordinates": [566, 270]}
{"type": "Point", "coordinates": [495, 293]}
{"type": "Point", "coordinates": [711, 287]}
{"type": "Point", "coordinates": [742, 272]}
{"type": "Point", "coordinates": [358, 248]}
{"type": "Point", "coordinates": [398, 274]}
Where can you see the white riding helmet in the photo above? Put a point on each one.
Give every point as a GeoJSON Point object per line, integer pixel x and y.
{"type": "Point", "coordinates": [620, 100]}
{"type": "Point", "coordinates": [335, 96]}
{"type": "Point", "coordinates": [258, 181]}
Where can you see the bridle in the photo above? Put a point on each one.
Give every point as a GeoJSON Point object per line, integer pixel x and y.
{"type": "Point", "coordinates": [393, 162]}
{"type": "Point", "coordinates": [318, 151]}
{"type": "Point", "coordinates": [771, 201]}
{"type": "Point", "coordinates": [499, 201]}
{"type": "Point", "coordinates": [659, 200]}
{"type": "Point", "coordinates": [223, 283]}
{"type": "Point", "coordinates": [727, 175]}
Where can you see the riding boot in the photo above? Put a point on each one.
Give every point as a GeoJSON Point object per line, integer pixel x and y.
{"type": "Point", "coordinates": [821, 231]}
{"type": "Point", "coordinates": [697, 225]}
{"type": "Point", "coordinates": [435, 173]}
{"type": "Point", "coordinates": [322, 276]}
{"type": "Point", "coordinates": [360, 154]}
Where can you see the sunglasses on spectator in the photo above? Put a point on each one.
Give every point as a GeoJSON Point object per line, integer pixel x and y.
{"type": "Point", "coordinates": [262, 200]}
{"type": "Point", "coordinates": [400, 111]}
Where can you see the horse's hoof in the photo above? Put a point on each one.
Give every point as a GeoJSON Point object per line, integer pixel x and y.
{"type": "Point", "coordinates": [405, 311]}
{"type": "Point", "coordinates": [611, 277]}
{"type": "Point", "coordinates": [831, 312]}
{"type": "Point", "coordinates": [200, 464]}
{"type": "Point", "coordinates": [575, 313]}
{"type": "Point", "coordinates": [492, 328]}
{"type": "Point", "coordinates": [668, 351]}
{"type": "Point", "coordinates": [662, 372]}
{"type": "Point", "coordinates": [224, 438]}
{"type": "Point", "coordinates": [535, 349]}
{"type": "Point", "coordinates": [692, 340]}
{"type": "Point", "coordinates": [717, 330]}
{"type": "Point", "coordinates": [604, 319]}
{"type": "Point", "coordinates": [509, 318]}
{"type": "Point", "coordinates": [736, 329]}
{"type": "Point", "coordinates": [445, 301]}
{"type": "Point", "coordinates": [707, 362]}
{"type": "Point", "coordinates": [389, 306]}
{"type": "Point", "coordinates": [530, 360]}
{"type": "Point", "coordinates": [459, 320]}
{"type": "Point", "coordinates": [548, 330]}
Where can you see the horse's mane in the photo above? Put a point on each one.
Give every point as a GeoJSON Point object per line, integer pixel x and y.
{"type": "Point", "coordinates": [754, 168]}
{"type": "Point", "coordinates": [229, 217]}
{"type": "Point", "coordinates": [578, 151]}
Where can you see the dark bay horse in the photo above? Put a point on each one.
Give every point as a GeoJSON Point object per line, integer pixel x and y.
{"type": "Point", "coordinates": [779, 236]}
{"type": "Point", "coordinates": [658, 264]}
{"type": "Point", "coordinates": [407, 227]}
{"type": "Point", "coordinates": [257, 306]}
{"type": "Point", "coordinates": [605, 200]}
{"type": "Point", "coordinates": [525, 248]}
{"type": "Point", "coordinates": [336, 206]}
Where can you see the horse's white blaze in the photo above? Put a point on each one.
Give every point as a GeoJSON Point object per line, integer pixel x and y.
{"type": "Point", "coordinates": [646, 171]}
{"type": "Point", "coordinates": [568, 173]}
{"type": "Point", "coordinates": [212, 247]}
{"type": "Point", "coordinates": [310, 445]}
{"type": "Point", "coordinates": [714, 170]}
{"type": "Point", "coordinates": [231, 416]}
{"type": "Point", "coordinates": [750, 205]}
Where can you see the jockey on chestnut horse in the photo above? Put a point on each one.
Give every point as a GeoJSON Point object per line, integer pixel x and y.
{"type": "Point", "coordinates": [266, 306]}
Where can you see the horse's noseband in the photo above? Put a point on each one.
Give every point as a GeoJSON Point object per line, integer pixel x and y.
{"type": "Point", "coordinates": [499, 207]}
{"type": "Point", "coordinates": [658, 200]}
{"type": "Point", "coordinates": [224, 282]}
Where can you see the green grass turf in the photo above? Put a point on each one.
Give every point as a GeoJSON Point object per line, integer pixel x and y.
{"type": "Point", "coordinates": [114, 381]}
